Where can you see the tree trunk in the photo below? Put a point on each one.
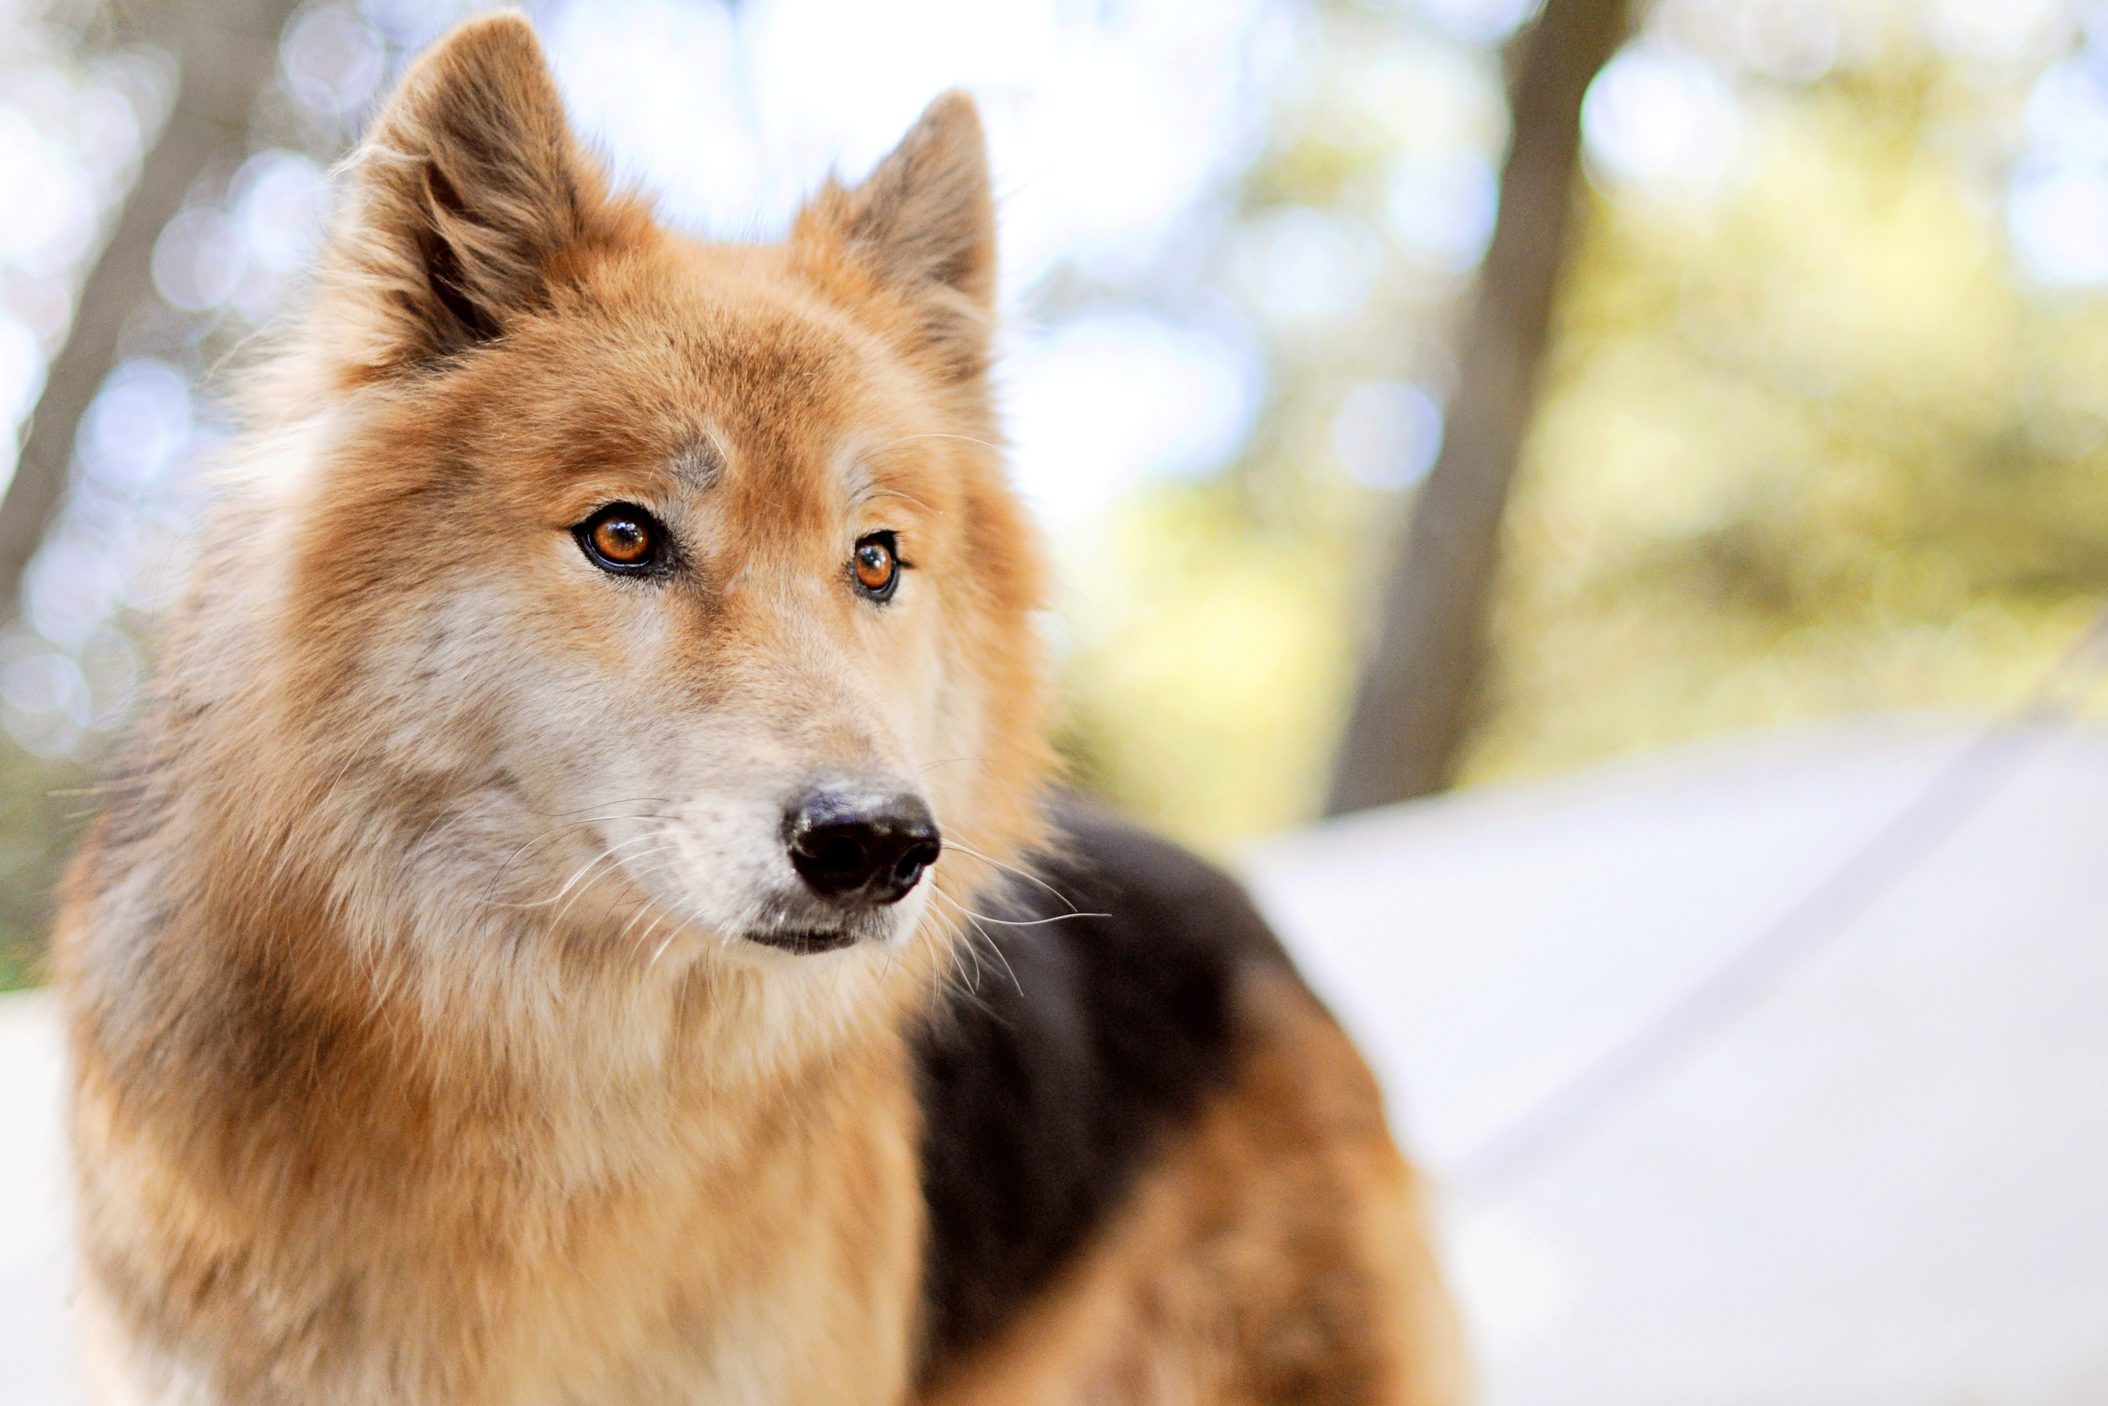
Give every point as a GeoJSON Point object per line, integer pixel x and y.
{"type": "Point", "coordinates": [1412, 711]}
{"type": "Point", "coordinates": [227, 52]}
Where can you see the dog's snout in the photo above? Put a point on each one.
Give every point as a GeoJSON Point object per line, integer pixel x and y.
{"type": "Point", "coordinates": [861, 847]}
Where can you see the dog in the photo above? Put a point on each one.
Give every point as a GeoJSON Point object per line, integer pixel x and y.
{"type": "Point", "coordinates": [583, 917]}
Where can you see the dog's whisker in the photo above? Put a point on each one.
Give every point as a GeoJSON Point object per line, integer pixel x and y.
{"type": "Point", "coordinates": [905, 497]}
{"type": "Point", "coordinates": [913, 438]}
{"type": "Point", "coordinates": [1024, 922]}
{"type": "Point", "coordinates": [986, 936]}
{"type": "Point", "coordinates": [1012, 922]}
{"type": "Point", "coordinates": [570, 825]}
{"type": "Point", "coordinates": [657, 842]}
{"type": "Point", "coordinates": [960, 948]}
{"type": "Point", "coordinates": [660, 951]}
{"type": "Point", "coordinates": [569, 884]}
{"type": "Point", "coordinates": [644, 907]}
{"type": "Point", "coordinates": [1027, 875]}
{"type": "Point", "coordinates": [498, 873]}
{"type": "Point", "coordinates": [1008, 970]}
{"type": "Point", "coordinates": [663, 913]}
{"type": "Point", "coordinates": [648, 905]}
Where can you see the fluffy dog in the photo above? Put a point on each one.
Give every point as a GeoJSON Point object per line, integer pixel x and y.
{"type": "Point", "coordinates": [524, 957]}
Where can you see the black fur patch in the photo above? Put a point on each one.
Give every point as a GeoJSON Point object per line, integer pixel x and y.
{"type": "Point", "coordinates": [1084, 1044]}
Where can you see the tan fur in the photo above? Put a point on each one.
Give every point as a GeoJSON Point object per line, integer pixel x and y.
{"type": "Point", "coordinates": [1278, 1254]}
{"type": "Point", "coordinates": [418, 1057]}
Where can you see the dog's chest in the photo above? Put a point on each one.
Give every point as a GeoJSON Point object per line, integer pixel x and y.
{"type": "Point", "coordinates": [716, 1262]}
{"type": "Point", "coordinates": [789, 1275]}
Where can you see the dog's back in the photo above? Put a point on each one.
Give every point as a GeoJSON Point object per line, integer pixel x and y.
{"type": "Point", "coordinates": [1155, 1169]}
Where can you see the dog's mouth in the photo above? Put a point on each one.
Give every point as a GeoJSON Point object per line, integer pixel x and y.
{"type": "Point", "coordinates": [794, 924]}
{"type": "Point", "coordinates": [803, 941]}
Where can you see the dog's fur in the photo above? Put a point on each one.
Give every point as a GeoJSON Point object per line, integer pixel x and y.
{"type": "Point", "coordinates": [420, 1050]}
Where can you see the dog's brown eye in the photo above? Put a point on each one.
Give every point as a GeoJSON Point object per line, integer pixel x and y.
{"type": "Point", "coordinates": [876, 565]}
{"type": "Point", "coordinates": [622, 538]}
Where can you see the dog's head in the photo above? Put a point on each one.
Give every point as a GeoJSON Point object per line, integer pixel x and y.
{"type": "Point", "coordinates": [673, 584]}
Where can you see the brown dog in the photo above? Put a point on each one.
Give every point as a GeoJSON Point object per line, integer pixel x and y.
{"type": "Point", "coordinates": [522, 961]}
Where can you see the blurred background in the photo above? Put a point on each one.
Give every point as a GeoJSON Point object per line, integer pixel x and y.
{"type": "Point", "coordinates": [1672, 435]}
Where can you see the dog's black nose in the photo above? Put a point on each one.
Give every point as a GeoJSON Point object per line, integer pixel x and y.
{"type": "Point", "coordinates": [860, 847]}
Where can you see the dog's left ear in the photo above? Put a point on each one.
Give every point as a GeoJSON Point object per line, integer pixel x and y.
{"type": "Point", "coordinates": [921, 227]}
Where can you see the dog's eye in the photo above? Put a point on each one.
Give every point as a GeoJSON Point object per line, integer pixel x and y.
{"type": "Point", "coordinates": [876, 565]}
{"type": "Point", "coordinates": [622, 538]}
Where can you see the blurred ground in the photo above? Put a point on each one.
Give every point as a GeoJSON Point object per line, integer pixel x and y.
{"type": "Point", "coordinates": [1880, 1181]}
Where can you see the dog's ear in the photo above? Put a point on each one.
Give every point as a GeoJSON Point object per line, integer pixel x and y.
{"type": "Point", "coordinates": [462, 204]}
{"type": "Point", "coordinates": [922, 226]}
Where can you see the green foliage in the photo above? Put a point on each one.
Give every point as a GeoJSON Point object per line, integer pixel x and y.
{"type": "Point", "coordinates": [1811, 450]}
{"type": "Point", "coordinates": [1809, 444]}
{"type": "Point", "coordinates": [1212, 659]}
{"type": "Point", "coordinates": [40, 804]}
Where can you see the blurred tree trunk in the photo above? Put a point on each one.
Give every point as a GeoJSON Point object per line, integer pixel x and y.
{"type": "Point", "coordinates": [227, 51]}
{"type": "Point", "coordinates": [1413, 709]}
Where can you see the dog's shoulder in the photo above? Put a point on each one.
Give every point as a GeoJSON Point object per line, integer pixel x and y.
{"type": "Point", "coordinates": [1097, 1019]}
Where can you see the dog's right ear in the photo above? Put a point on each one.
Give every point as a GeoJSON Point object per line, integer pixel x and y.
{"type": "Point", "coordinates": [462, 204]}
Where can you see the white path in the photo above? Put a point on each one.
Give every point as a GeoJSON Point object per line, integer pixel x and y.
{"type": "Point", "coordinates": [1884, 1181]}
{"type": "Point", "coordinates": [1887, 1182]}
